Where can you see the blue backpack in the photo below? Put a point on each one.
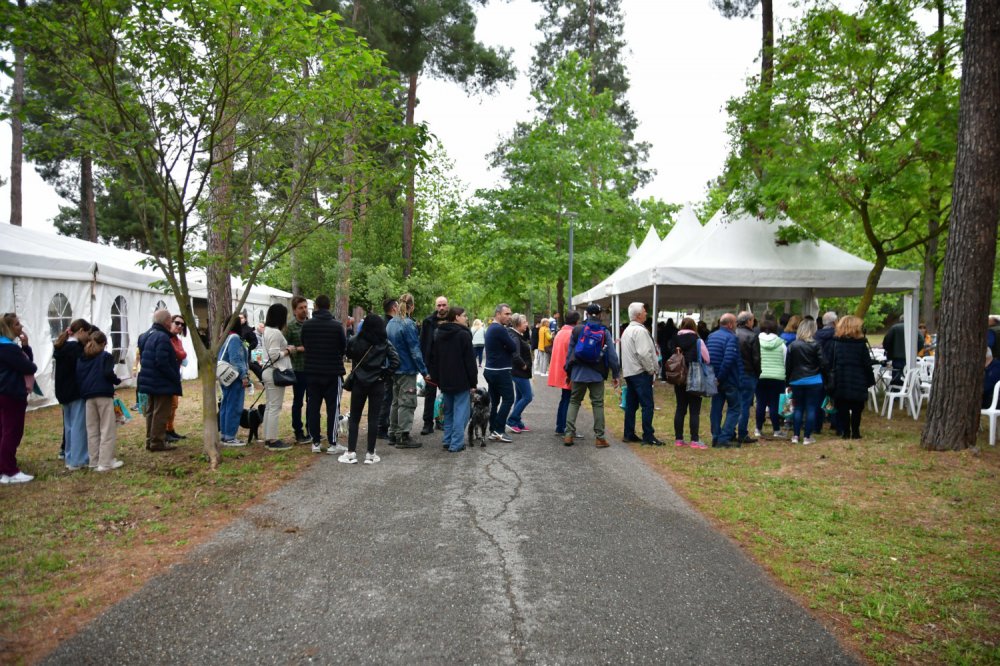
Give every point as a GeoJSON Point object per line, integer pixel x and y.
{"type": "Point", "coordinates": [590, 345]}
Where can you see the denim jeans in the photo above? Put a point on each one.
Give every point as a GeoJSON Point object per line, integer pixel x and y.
{"type": "Point", "coordinates": [561, 412]}
{"type": "Point", "coordinates": [523, 397]}
{"type": "Point", "coordinates": [639, 394]}
{"type": "Point", "coordinates": [724, 432]}
{"type": "Point", "coordinates": [457, 410]}
{"type": "Point", "coordinates": [230, 409]}
{"type": "Point", "coordinates": [75, 431]}
{"type": "Point", "coordinates": [748, 386]}
{"type": "Point", "coordinates": [807, 399]}
{"type": "Point", "coordinates": [501, 397]}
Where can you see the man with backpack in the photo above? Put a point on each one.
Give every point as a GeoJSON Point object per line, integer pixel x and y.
{"type": "Point", "coordinates": [591, 356]}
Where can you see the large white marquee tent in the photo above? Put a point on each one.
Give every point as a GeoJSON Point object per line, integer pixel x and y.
{"type": "Point", "coordinates": [49, 280]}
{"type": "Point", "coordinates": [734, 260]}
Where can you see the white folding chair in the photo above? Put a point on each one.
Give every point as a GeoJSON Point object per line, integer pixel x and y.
{"type": "Point", "coordinates": [903, 394]}
{"type": "Point", "coordinates": [992, 413]}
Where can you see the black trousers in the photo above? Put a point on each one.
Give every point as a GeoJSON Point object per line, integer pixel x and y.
{"type": "Point", "coordinates": [374, 394]}
{"type": "Point", "coordinates": [686, 404]}
{"type": "Point", "coordinates": [318, 391]}
{"type": "Point", "coordinates": [430, 395]}
{"type": "Point", "coordinates": [383, 414]}
{"type": "Point", "coordinates": [849, 414]}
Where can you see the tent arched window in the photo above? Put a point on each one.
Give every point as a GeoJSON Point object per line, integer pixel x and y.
{"type": "Point", "coordinates": [60, 315]}
{"type": "Point", "coordinates": [260, 316]}
{"type": "Point", "coordinates": [119, 329]}
{"type": "Point", "coordinates": [160, 305]}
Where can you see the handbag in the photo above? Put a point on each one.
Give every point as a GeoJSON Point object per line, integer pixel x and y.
{"type": "Point", "coordinates": [280, 377]}
{"type": "Point", "coordinates": [701, 377]}
{"type": "Point", "coordinates": [226, 373]}
{"type": "Point", "coordinates": [349, 379]}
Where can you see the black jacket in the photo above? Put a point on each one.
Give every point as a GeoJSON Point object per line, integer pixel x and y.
{"type": "Point", "coordinates": [524, 351]}
{"type": "Point", "coordinates": [824, 337]}
{"type": "Point", "coordinates": [325, 343]}
{"type": "Point", "coordinates": [749, 350]}
{"type": "Point", "coordinates": [427, 329]}
{"type": "Point", "coordinates": [894, 342]}
{"type": "Point", "coordinates": [96, 376]}
{"type": "Point", "coordinates": [380, 360]}
{"type": "Point", "coordinates": [65, 359]}
{"type": "Point", "coordinates": [159, 372]}
{"type": "Point", "coordinates": [452, 362]}
{"type": "Point", "coordinates": [688, 344]}
{"type": "Point", "coordinates": [804, 359]}
{"type": "Point", "coordinates": [15, 363]}
{"type": "Point", "coordinates": [850, 369]}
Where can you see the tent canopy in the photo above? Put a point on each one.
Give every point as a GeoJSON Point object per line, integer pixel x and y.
{"type": "Point", "coordinates": [637, 257]}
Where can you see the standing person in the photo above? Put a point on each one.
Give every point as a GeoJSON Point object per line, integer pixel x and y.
{"type": "Point", "coordinates": [325, 342]}
{"type": "Point", "coordinates": [300, 313]}
{"type": "Point", "coordinates": [544, 347]}
{"type": "Point", "coordinates": [824, 337]}
{"type": "Point", "coordinates": [520, 374]}
{"type": "Point", "coordinates": [501, 355]}
{"type": "Point", "coordinates": [991, 375]}
{"type": "Point", "coordinates": [804, 368]}
{"type": "Point", "coordinates": [427, 329]}
{"type": "Point", "coordinates": [68, 350]}
{"type": "Point", "coordinates": [402, 334]}
{"type": "Point", "coordinates": [587, 372]}
{"type": "Point", "coordinates": [234, 352]}
{"type": "Point", "coordinates": [159, 378]}
{"type": "Point", "coordinates": [453, 369]}
{"type": "Point", "coordinates": [388, 307]}
{"type": "Point", "coordinates": [177, 331]}
{"type": "Point", "coordinates": [639, 366]}
{"type": "Point", "coordinates": [703, 331]}
{"type": "Point", "coordinates": [727, 362]}
{"type": "Point", "coordinates": [375, 360]}
{"type": "Point", "coordinates": [772, 378]}
{"type": "Point", "coordinates": [558, 377]}
{"type": "Point", "coordinates": [851, 373]}
{"type": "Point", "coordinates": [16, 365]}
{"type": "Point", "coordinates": [277, 354]}
{"type": "Point", "coordinates": [95, 373]}
{"type": "Point", "coordinates": [788, 335]}
{"type": "Point", "coordinates": [894, 344]}
{"type": "Point", "coordinates": [993, 336]}
{"type": "Point", "coordinates": [750, 353]}
{"type": "Point", "coordinates": [478, 340]}
{"type": "Point", "coordinates": [694, 349]}
{"type": "Point", "coordinates": [247, 332]}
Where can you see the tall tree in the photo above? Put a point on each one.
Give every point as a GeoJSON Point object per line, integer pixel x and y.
{"type": "Point", "coordinates": [17, 125]}
{"type": "Point", "coordinates": [593, 28]}
{"type": "Point", "coordinates": [953, 414]}
{"type": "Point", "coordinates": [859, 130]}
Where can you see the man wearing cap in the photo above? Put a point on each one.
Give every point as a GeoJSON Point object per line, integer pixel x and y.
{"type": "Point", "coordinates": [586, 377]}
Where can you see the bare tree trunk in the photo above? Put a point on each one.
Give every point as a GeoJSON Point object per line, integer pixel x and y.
{"type": "Point", "coordinates": [17, 132]}
{"type": "Point", "coordinates": [953, 414]}
{"type": "Point", "coordinates": [343, 290]}
{"type": "Point", "coordinates": [766, 44]}
{"type": "Point", "coordinates": [88, 205]}
{"type": "Point", "coordinates": [411, 183]}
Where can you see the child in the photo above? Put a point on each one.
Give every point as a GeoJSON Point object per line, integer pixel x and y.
{"type": "Point", "coordinates": [95, 373]}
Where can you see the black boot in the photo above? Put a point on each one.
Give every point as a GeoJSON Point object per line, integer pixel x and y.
{"type": "Point", "coordinates": [406, 442]}
{"type": "Point", "coordinates": [427, 429]}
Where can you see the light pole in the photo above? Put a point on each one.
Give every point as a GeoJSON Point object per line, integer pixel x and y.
{"type": "Point", "coordinates": [570, 216]}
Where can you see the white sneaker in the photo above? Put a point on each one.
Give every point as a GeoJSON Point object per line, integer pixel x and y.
{"type": "Point", "coordinates": [20, 477]}
{"type": "Point", "coordinates": [501, 437]}
{"type": "Point", "coordinates": [337, 449]}
{"type": "Point", "coordinates": [756, 434]}
{"type": "Point", "coordinates": [115, 464]}
{"type": "Point", "coordinates": [808, 440]}
{"type": "Point", "coordinates": [493, 437]}
{"type": "Point", "coordinates": [348, 458]}
{"type": "Point", "coordinates": [317, 448]}
{"type": "Point", "coordinates": [233, 442]}
{"type": "Point", "coordinates": [372, 458]}
{"type": "Point", "coordinates": [795, 440]}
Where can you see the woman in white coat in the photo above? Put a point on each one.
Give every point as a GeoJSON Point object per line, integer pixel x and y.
{"type": "Point", "coordinates": [276, 355]}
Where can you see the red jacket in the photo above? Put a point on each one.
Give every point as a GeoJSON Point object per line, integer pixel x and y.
{"type": "Point", "coordinates": [560, 346]}
{"type": "Point", "coordinates": [175, 340]}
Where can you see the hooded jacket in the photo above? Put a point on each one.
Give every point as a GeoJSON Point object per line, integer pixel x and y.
{"type": "Point", "coordinates": [452, 362]}
{"type": "Point", "coordinates": [96, 376]}
{"type": "Point", "coordinates": [65, 359]}
{"type": "Point", "coordinates": [772, 356]}
{"type": "Point", "coordinates": [15, 363]}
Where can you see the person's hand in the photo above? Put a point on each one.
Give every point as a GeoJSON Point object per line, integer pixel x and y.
{"type": "Point", "coordinates": [24, 339]}
{"type": "Point", "coordinates": [291, 350]}
{"type": "Point", "coordinates": [618, 383]}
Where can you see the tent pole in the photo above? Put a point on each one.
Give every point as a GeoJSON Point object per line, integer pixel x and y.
{"type": "Point", "coordinates": [656, 313]}
{"type": "Point", "coordinates": [910, 303]}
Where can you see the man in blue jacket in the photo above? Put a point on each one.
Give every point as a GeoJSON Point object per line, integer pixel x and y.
{"type": "Point", "coordinates": [159, 378]}
{"type": "Point", "coordinates": [724, 350]}
{"type": "Point", "coordinates": [501, 354]}
{"type": "Point", "coordinates": [589, 376]}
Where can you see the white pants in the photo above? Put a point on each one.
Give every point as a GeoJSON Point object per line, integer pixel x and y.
{"type": "Point", "coordinates": [274, 397]}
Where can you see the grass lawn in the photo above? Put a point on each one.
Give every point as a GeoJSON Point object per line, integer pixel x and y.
{"type": "Point", "coordinates": [73, 543]}
{"type": "Point", "coordinates": [895, 549]}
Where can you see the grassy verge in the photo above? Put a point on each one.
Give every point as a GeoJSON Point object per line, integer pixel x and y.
{"type": "Point", "coordinates": [73, 543]}
{"type": "Point", "coordinates": [896, 549]}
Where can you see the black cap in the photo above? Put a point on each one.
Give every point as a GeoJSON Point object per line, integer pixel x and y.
{"type": "Point", "coordinates": [594, 309]}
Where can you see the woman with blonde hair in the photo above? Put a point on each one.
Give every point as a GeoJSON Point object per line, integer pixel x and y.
{"type": "Point", "coordinates": [478, 340]}
{"type": "Point", "coordinates": [544, 347]}
{"type": "Point", "coordinates": [804, 370]}
{"type": "Point", "coordinates": [16, 367]}
{"type": "Point", "coordinates": [850, 374]}
{"type": "Point", "coordinates": [791, 328]}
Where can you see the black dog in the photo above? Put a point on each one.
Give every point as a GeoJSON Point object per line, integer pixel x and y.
{"type": "Point", "coordinates": [251, 419]}
{"type": "Point", "coordinates": [480, 419]}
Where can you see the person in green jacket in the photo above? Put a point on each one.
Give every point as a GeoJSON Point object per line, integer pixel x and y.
{"type": "Point", "coordinates": [772, 377]}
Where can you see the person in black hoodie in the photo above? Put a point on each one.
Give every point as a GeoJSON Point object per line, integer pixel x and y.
{"type": "Point", "coordinates": [427, 329]}
{"type": "Point", "coordinates": [68, 350]}
{"type": "Point", "coordinates": [374, 360]}
{"type": "Point", "coordinates": [850, 374]}
{"type": "Point", "coordinates": [325, 342]}
{"type": "Point", "coordinates": [95, 373]}
{"type": "Point", "coordinates": [452, 366]}
{"type": "Point", "coordinates": [16, 367]}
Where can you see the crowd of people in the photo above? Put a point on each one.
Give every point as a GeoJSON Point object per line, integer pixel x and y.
{"type": "Point", "coordinates": [800, 373]}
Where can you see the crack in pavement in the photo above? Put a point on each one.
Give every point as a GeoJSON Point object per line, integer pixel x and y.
{"type": "Point", "coordinates": [493, 536]}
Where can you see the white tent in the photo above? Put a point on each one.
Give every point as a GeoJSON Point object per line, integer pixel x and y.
{"type": "Point", "coordinates": [637, 257]}
{"type": "Point", "coordinates": [49, 280]}
{"type": "Point", "coordinates": [738, 259]}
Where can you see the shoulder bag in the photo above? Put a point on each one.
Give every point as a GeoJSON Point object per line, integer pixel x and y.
{"type": "Point", "coordinates": [225, 371]}
{"type": "Point", "coordinates": [350, 379]}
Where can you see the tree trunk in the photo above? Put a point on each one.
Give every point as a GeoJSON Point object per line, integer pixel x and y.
{"type": "Point", "coordinates": [970, 256]}
{"type": "Point", "coordinates": [560, 289]}
{"type": "Point", "coordinates": [767, 44]}
{"type": "Point", "coordinates": [17, 131]}
{"type": "Point", "coordinates": [88, 205]}
{"type": "Point", "coordinates": [209, 408]}
{"type": "Point", "coordinates": [411, 183]}
{"type": "Point", "coordinates": [343, 290]}
{"type": "Point", "coordinates": [873, 277]}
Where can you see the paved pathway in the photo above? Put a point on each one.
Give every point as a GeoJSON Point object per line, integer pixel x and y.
{"type": "Point", "coordinates": [529, 552]}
